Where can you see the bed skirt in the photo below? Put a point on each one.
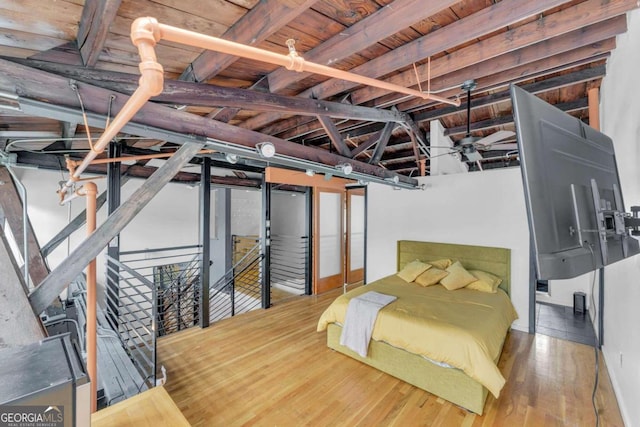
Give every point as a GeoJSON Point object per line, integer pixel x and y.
{"type": "Point", "coordinates": [447, 383]}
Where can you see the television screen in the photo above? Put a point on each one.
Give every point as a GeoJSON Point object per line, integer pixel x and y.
{"type": "Point", "coordinates": [572, 190]}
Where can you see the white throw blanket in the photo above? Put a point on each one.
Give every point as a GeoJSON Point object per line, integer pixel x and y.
{"type": "Point", "coordinates": [360, 319]}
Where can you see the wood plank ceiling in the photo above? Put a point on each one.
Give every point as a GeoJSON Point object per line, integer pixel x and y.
{"type": "Point", "coordinates": [61, 52]}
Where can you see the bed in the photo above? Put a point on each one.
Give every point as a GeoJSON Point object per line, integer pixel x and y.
{"type": "Point", "coordinates": [462, 368]}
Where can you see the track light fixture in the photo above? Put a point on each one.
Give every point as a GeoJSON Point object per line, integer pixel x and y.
{"type": "Point", "coordinates": [231, 158]}
{"type": "Point", "coordinates": [310, 172]}
{"type": "Point", "coordinates": [345, 168]}
{"type": "Point", "coordinates": [266, 149]}
{"type": "Point", "coordinates": [395, 179]}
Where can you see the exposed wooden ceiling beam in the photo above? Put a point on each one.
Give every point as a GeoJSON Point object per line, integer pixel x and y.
{"type": "Point", "coordinates": [495, 81]}
{"type": "Point", "coordinates": [382, 144]}
{"type": "Point", "coordinates": [555, 52]}
{"type": "Point", "coordinates": [201, 94]}
{"type": "Point", "coordinates": [373, 139]}
{"type": "Point", "coordinates": [535, 60]}
{"type": "Point", "coordinates": [67, 53]}
{"type": "Point", "coordinates": [475, 126]}
{"type": "Point", "coordinates": [571, 106]}
{"type": "Point", "coordinates": [387, 21]}
{"type": "Point", "coordinates": [567, 20]}
{"type": "Point", "coordinates": [226, 114]}
{"type": "Point", "coordinates": [18, 79]}
{"type": "Point", "coordinates": [97, 16]}
{"type": "Point", "coordinates": [531, 61]}
{"type": "Point", "coordinates": [264, 19]}
{"type": "Point", "coordinates": [552, 83]}
{"type": "Point", "coordinates": [335, 137]}
{"type": "Point", "coordinates": [476, 25]}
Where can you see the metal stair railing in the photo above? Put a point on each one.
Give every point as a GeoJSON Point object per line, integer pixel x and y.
{"type": "Point", "coordinates": [239, 289]}
{"type": "Point", "coordinates": [118, 375]}
{"type": "Point", "coordinates": [178, 295]}
{"type": "Point", "coordinates": [175, 273]}
{"type": "Point", "coordinates": [289, 263]}
{"type": "Point", "coordinates": [137, 317]}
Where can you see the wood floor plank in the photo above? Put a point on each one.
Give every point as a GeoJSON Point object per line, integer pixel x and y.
{"type": "Point", "coordinates": [151, 408]}
{"type": "Point", "coordinates": [270, 367]}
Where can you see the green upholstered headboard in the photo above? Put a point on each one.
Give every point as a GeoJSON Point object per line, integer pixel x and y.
{"type": "Point", "coordinates": [492, 260]}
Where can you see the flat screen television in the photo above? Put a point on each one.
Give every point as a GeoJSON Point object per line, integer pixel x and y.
{"type": "Point", "coordinates": [572, 191]}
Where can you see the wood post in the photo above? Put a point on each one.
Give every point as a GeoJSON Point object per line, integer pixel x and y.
{"type": "Point", "coordinates": [11, 205]}
{"type": "Point", "coordinates": [594, 108]}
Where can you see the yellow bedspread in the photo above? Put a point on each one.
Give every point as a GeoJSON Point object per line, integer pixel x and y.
{"type": "Point", "coordinates": [463, 328]}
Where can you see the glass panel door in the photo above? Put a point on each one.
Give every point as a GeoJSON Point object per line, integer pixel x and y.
{"type": "Point", "coordinates": [355, 235]}
{"type": "Point", "coordinates": [329, 253]}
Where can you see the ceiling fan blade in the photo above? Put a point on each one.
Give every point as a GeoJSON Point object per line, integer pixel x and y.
{"type": "Point", "coordinates": [495, 137]}
{"type": "Point", "coordinates": [473, 156]}
{"type": "Point", "coordinates": [502, 147]}
{"type": "Point", "coordinates": [445, 146]}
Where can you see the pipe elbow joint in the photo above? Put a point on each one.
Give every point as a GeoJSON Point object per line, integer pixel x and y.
{"type": "Point", "coordinates": [90, 188]}
{"type": "Point", "coordinates": [152, 77]}
{"type": "Point", "coordinates": [145, 28]}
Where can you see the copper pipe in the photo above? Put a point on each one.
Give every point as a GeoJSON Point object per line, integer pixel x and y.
{"type": "Point", "coordinates": [146, 32]}
{"type": "Point", "coordinates": [91, 191]}
{"type": "Point", "coordinates": [292, 61]}
{"type": "Point", "coordinates": [144, 35]}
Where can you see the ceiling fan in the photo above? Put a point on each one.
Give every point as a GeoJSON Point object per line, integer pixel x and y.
{"type": "Point", "coordinates": [469, 145]}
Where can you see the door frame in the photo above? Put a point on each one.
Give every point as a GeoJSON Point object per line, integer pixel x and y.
{"type": "Point", "coordinates": [337, 280]}
{"type": "Point", "coordinates": [354, 276]}
{"type": "Point", "coordinates": [317, 182]}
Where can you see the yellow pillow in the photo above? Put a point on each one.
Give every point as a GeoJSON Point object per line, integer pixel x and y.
{"type": "Point", "coordinates": [442, 264]}
{"type": "Point", "coordinates": [486, 282]}
{"type": "Point", "coordinates": [457, 278]}
{"type": "Point", "coordinates": [431, 276]}
{"type": "Point", "coordinates": [413, 270]}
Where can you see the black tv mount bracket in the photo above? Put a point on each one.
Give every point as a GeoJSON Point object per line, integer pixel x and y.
{"type": "Point", "coordinates": [614, 222]}
{"type": "Point", "coordinates": [633, 221]}
{"type": "Point", "coordinates": [610, 222]}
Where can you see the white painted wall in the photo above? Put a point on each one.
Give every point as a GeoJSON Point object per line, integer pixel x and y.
{"type": "Point", "coordinates": [246, 212]}
{"type": "Point", "coordinates": [620, 119]}
{"type": "Point", "coordinates": [481, 208]}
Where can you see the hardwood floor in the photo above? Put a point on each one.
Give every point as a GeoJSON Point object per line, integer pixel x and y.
{"type": "Point", "coordinates": [272, 368]}
{"type": "Point", "coordinates": [150, 408]}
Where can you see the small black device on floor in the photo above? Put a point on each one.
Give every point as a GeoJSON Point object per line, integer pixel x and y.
{"type": "Point", "coordinates": [579, 302]}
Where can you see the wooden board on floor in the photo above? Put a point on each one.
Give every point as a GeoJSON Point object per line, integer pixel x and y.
{"type": "Point", "coordinates": [151, 408]}
{"type": "Point", "coordinates": [271, 367]}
